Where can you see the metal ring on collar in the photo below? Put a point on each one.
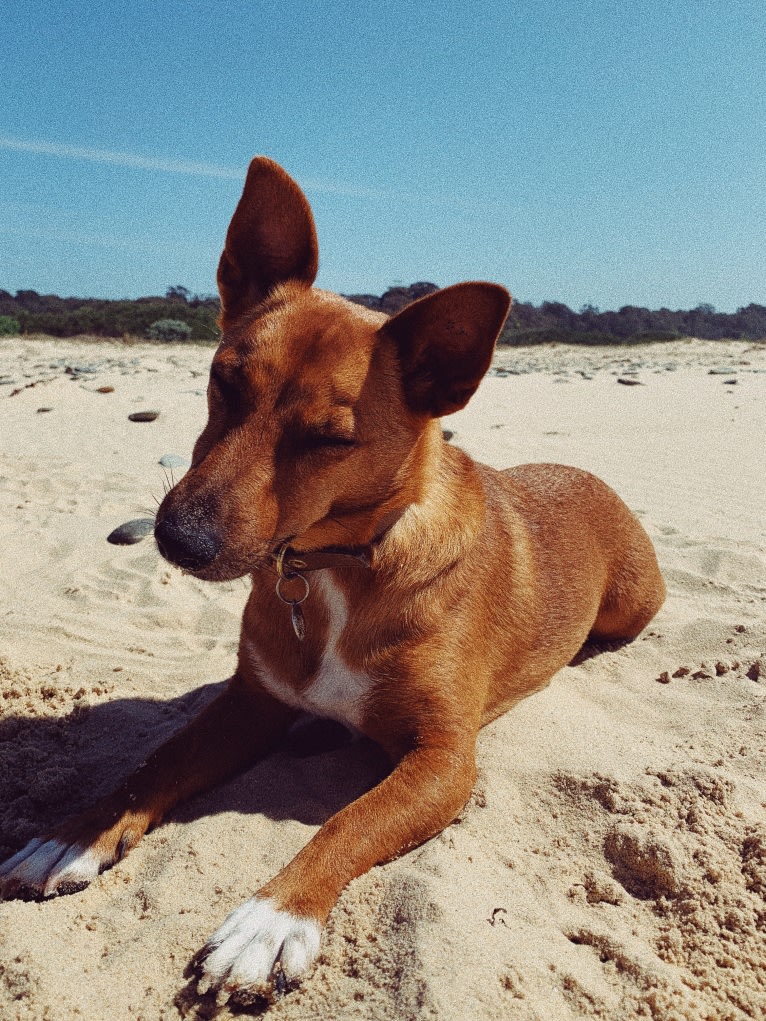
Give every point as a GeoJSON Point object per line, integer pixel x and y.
{"type": "Point", "coordinates": [292, 577]}
{"type": "Point", "coordinates": [279, 558]}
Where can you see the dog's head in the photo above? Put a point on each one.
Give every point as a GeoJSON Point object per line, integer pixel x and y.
{"type": "Point", "coordinates": [321, 426]}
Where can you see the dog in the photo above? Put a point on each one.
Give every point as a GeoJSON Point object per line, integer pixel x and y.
{"type": "Point", "coordinates": [397, 586]}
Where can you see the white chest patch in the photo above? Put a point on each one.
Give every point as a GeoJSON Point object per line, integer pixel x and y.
{"type": "Point", "coordinates": [337, 692]}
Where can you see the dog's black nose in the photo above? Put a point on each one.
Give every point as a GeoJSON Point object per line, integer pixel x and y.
{"type": "Point", "coordinates": [187, 541]}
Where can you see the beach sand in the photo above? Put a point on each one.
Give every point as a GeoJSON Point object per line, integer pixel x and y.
{"type": "Point", "coordinates": [611, 862]}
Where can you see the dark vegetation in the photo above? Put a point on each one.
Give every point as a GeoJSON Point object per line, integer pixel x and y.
{"type": "Point", "coordinates": [554, 322]}
{"type": "Point", "coordinates": [193, 317]}
{"type": "Point", "coordinates": [70, 317]}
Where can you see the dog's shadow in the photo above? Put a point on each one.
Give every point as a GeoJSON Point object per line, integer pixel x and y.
{"type": "Point", "coordinates": [55, 766]}
{"type": "Point", "coordinates": [596, 647]}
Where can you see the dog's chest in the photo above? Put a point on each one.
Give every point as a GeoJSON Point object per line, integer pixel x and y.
{"type": "Point", "coordinates": [336, 692]}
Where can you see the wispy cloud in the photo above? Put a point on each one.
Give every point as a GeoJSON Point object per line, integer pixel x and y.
{"type": "Point", "coordinates": [138, 161]}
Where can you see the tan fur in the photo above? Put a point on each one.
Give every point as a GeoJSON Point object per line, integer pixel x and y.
{"type": "Point", "coordinates": [482, 583]}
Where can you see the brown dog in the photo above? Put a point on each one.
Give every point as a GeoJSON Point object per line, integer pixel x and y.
{"type": "Point", "coordinates": [397, 586]}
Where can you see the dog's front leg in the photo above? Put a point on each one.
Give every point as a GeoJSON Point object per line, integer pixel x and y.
{"type": "Point", "coordinates": [273, 938]}
{"type": "Point", "coordinates": [238, 727]}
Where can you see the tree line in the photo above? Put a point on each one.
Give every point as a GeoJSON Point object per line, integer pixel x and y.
{"type": "Point", "coordinates": [553, 321]}
{"type": "Point", "coordinates": [28, 312]}
{"type": "Point", "coordinates": [71, 317]}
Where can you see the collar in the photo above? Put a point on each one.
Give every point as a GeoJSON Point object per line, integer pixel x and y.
{"type": "Point", "coordinates": [291, 565]}
{"type": "Point", "coordinates": [289, 561]}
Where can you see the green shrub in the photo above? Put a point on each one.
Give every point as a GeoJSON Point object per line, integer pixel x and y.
{"type": "Point", "coordinates": [9, 327]}
{"type": "Point", "coordinates": [169, 329]}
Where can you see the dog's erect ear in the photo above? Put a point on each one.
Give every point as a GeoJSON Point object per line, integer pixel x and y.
{"type": "Point", "coordinates": [445, 343]}
{"type": "Point", "coordinates": [271, 239]}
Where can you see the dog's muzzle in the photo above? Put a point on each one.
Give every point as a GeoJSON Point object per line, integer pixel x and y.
{"type": "Point", "coordinates": [188, 540]}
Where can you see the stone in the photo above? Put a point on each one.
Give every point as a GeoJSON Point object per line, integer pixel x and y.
{"type": "Point", "coordinates": [81, 372]}
{"type": "Point", "coordinates": [174, 461]}
{"type": "Point", "coordinates": [131, 532]}
{"type": "Point", "coordinates": [143, 416]}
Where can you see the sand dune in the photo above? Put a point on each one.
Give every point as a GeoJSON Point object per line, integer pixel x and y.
{"type": "Point", "coordinates": [612, 860]}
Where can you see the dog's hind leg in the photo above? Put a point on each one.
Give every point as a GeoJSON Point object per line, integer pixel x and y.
{"type": "Point", "coordinates": [634, 593]}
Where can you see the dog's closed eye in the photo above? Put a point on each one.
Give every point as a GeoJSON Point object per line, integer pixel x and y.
{"type": "Point", "coordinates": [316, 440]}
{"type": "Point", "coordinates": [335, 432]}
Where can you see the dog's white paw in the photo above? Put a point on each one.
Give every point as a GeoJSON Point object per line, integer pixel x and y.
{"type": "Point", "coordinates": [258, 948]}
{"type": "Point", "coordinates": [47, 868]}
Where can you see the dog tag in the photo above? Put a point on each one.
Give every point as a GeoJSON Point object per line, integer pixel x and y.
{"type": "Point", "coordinates": [296, 613]}
{"type": "Point", "coordinates": [299, 621]}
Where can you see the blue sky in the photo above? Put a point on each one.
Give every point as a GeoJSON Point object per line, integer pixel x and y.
{"type": "Point", "coordinates": [583, 151]}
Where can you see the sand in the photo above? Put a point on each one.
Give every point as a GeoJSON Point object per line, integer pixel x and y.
{"type": "Point", "coordinates": [612, 860]}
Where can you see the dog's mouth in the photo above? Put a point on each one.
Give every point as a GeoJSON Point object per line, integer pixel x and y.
{"type": "Point", "coordinates": [198, 547]}
{"type": "Point", "coordinates": [204, 555]}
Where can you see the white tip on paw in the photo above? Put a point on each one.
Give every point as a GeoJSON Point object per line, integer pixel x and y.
{"type": "Point", "coordinates": [47, 868]}
{"type": "Point", "coordinates": [256, 941]}
{"type": "Point", "coordinates": [78, 867]}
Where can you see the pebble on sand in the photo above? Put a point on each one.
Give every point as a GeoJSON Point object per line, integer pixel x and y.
{"type": "Point", "coordinates": [131, 532]}
{"type": "Point", "coordinates": [174, 461]}
{"type": "Point", "coordinates": [143, 416]}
